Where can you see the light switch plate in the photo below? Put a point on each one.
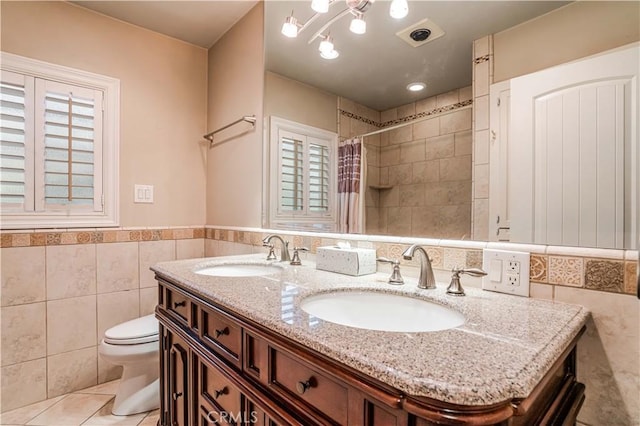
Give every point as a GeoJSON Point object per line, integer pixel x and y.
{"type": "Point", "coordinates": [143, 193]}
{"type": "Point", "coordinates": [507, 271]}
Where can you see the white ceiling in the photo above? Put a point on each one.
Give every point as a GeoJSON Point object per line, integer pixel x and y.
{"type": "Point", "coordinates": [197, 22]}
{"type": "Point", "coordinates": [373, 69]}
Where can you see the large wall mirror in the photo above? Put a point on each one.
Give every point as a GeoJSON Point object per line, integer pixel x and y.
{"type": "Point", "coordinates": [419, 177]}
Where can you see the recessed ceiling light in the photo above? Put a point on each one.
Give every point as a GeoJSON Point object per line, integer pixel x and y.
{"type": "Point", "coordinates": [331, 54]}
{"type": "Point", "coordinates": [416, 87]}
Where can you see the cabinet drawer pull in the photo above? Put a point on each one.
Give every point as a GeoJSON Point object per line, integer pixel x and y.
{"type": "Point", "coordinates": [223, 332]}
{"type": "Point", "coordinates": [222, 391]}
{"type": "Point", "coordinates": [176, 395]}
{"type": "Point", "coordinates": [178, 304]}
{"type": "Point", "coordinates": [302, 387]}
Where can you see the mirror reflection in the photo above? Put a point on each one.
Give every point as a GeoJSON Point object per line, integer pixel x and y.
{"type": "Point", "coordinates": [418, 145]}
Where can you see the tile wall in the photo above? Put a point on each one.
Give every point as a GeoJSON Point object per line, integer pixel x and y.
{"type": "Point", "coordinates": [418, 176]}
{"type": "Point", "coordinates": [62, 290]}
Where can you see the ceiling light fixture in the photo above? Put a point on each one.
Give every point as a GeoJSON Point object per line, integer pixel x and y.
{"type": "Point", "coordinates": [358, 25]}
{"type": "Point", "coordinates": [291, 28]}
{"type": "Point", "coordinates": [398, 9]}
{"type": "Point", "coordinates": [416, 87]}
{"type": "Point", "coordinates": [320, 6]}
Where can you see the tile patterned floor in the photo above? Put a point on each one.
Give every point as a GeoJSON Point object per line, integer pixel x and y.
{"type": "Point", "coordinates": [87, 407]}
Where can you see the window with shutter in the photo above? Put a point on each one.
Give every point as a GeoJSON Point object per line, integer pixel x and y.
{"type": "Point", "coordinates": [59, 146]}
{"type": "Point", "coordinates": [303, 160]}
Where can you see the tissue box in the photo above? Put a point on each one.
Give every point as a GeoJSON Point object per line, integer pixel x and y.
{"type": "Point", "coordinates": [349, 261]}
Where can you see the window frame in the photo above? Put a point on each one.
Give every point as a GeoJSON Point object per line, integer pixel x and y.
{"type": "Point", "coordinates": [74, 218]}
{"type": "Point", "coordinates": [301, 220]}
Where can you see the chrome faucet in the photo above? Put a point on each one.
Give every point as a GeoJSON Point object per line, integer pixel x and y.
{"type": "Point", "coordinates": [284, 246]}
{"type": "Point", "coordinates": [426, 278]}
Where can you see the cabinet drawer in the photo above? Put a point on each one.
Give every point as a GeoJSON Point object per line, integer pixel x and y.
{"type": "Point", "coordinates": [178, 304]}
{"type": "Point", "coordinates": [222, 335]}
{"type": "Point", "coordinates": [315, 389]}
{"type": "Point", "coordinates": [216, 390]}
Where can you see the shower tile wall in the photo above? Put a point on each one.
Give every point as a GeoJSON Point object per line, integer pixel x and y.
{"type": "Point", "coordinates": [57, 301]}
{"type": "Point", "coordinates": [419, 178]}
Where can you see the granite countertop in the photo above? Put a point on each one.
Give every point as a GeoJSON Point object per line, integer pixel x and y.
{"type": "Point", "coordinates": [501, 352]}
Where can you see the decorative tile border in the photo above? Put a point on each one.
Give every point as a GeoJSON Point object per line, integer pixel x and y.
{"type": "Point", "coordinates": [10, 239]}
{"type": "Point", "coordinates": [408, 118]}
{"type": "Point", "coordinates": [481, 59]}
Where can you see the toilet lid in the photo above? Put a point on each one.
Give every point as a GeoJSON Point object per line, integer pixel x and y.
{"type": "Point", "coordinates": [139, 330]}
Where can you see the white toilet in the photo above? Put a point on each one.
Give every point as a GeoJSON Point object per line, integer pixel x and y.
{"type": "Point", "coordinates": [134, 345]}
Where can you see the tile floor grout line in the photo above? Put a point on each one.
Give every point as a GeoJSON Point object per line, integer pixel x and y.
{"type": "Point", "coordinates": [97, 411]}
{"type": "Point", "coordinates": [45, 409]}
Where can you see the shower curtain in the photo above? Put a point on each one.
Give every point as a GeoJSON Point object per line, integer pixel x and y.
{"type": "Point", "coordinates": [351, 170]}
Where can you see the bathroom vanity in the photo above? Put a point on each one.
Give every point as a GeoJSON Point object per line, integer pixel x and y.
{"type": "Point", "coordinates": [236, 348]}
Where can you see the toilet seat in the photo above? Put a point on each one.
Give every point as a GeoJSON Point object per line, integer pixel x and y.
{"type": "Point", "coordinates": [134, 332]}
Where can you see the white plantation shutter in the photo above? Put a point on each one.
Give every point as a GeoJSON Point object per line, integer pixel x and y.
{"type": "Point", "coordinates": [16, 144]}
{"type": "Point", "coordinates": [304, 162]}
{"type": "Point", "coordinates": [319, 177]}
{"type": "Point", "coordinates": [59, 143]}
{"type": "Point", "coordinates": [292, 173]}
{"type": "Point", "coordinates": [69, 121]}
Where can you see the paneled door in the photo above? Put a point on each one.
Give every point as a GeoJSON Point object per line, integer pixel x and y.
{"type": "Point", "coordinates": [574, 152]}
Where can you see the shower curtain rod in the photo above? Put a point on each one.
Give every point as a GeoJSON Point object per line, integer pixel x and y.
{"type": "Point", "coordinates": [417, 120]}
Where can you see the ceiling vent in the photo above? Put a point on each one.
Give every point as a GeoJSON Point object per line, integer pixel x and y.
{"type": "Point", "coordinates": [420, 33]}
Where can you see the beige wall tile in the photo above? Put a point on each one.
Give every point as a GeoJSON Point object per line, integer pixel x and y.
{"type": "Point", "coordinates": [447, 193]}
{"type": "Point", "coordinates": [481, 147]}
{"type": "Point", "coordinates": [400, 174]}
{"type": "Point", "coordinates": [399, 220]}
{"type": "Point", "coordinates": [412, 195]}
{"type": "Point", "coordinates": [440, 147]}
{"type": "Point", "coordinates": [406, 110]}
{"type": "Point", "coordinates": [117, 266]}
{"type": "Point", "coordinates": [427, 128]}
{"type": "Point", "coordinates": [23, 333]}
{"type": "Point", "coordinates": [23, 384]}
{"type": "Point", "coordinates": [456, 168]}
{"type": "Point", "coordinates": [481, 112]}
{"type": "Point", "coordinates": [481, 219]}
{"type": "Point", "coordinates": [390, 197]}
{"type": "Point", "coordinates": [454, 258]}
{"type": "Point", "coordinates": [538, 268]}
{"type": "Point", "coordinates": [463, 143]}
{"type": "Point", "coordinates": [71, 371]}
{"type": "Point", "coordinates": [604, 275]}
{"type": "Point", "coordinates": [190, 249]}
{"type": "Point", "coordinates": [71, 324]}
{"type": "Point", "coordinates": [481, 47]}
{"type": "Point", "coordinates": [389, 156]}
{"type": "Point", "coordinates": [425, 171]}
{"type": "Point", "coordinates": [481, 72]}
{"type": "Point", "coordinates": [107, 371]}
{"type": "Point", "coordinates": [465, 93]}
{"type": "Point", "coordinates": [148, 300]}
{"type": "Point", "coordinates": [411, 152]}
{"type": "Point", "coordinates": [481, 181]}
{"type": "Point", "coordinates": [116, 308]}
{"type": "Point", "coordinates": [152, 252]}
{"type": "Point", "coordinates": [448, 98]}
{"type": "Point", "coordinates": [608, 356]}
{"type": "Point", "coordinates": [71, 271]}
{"type": "Point", "coordinates": [23, 275]}
{"type": "Point", "coordinates": [210, 248]}
{"type": "Point", "coordinates": [400, 135]}
{"type": "Point", "coordinates": [388, 115]}
{"type": "Point", "coordinates": [541, 291]}
{"type": "Point", "coordinates": [455, 122]}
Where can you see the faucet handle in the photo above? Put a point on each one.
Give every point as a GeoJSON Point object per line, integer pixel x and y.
{"type": "Point", "coordinates": [396, 277]}
{"type": "Point", "coordinates": [455, 288]}
{"type": "Point", "coordinates": [296, 257]}
{"type": "Point", "coordinates": [271, 255]}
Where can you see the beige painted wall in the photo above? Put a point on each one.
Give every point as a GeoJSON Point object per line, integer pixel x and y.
{"type": "Point", "coordinates": [163, 100]}
{"type": "Point", "coordinates": [577, 30]}
{"type": "Point", "coordinates": [236, 80]}
{"type": "Point", "coordinates": [299, 102]}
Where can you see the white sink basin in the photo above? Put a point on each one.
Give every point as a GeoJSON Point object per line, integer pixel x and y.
{"type": "Point", "coordinates": [381, 311]}
{"type": "Point", "coordinates": [238, 270]}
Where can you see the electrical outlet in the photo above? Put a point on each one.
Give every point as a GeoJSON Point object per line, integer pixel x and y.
{"type": "Point", "coordinates": [507, 271]}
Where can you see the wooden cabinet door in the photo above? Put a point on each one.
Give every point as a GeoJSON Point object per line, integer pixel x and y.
{"type": "Point", "coordinates": [177, 385]}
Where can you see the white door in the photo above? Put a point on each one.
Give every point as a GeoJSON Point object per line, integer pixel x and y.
{"type": "Point", "coordinates": [574, 152]}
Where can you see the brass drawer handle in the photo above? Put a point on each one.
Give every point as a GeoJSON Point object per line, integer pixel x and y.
{"type": "Point", "coordinates": [176, 395]}
{"type": "Point", "coordinates": [178, 304]}
{"type": "Point", "coordinates": [222, 391]}
{"type": "Point", "coordinates": [223, 332]}
{"type": "Point", "coordinates": [302, 387]}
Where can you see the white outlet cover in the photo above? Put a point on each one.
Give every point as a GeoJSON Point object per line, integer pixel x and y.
{"type": "Point", "coordinates": [502, 280]}
{"type": "Point", "coordinates": [143, 193]}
